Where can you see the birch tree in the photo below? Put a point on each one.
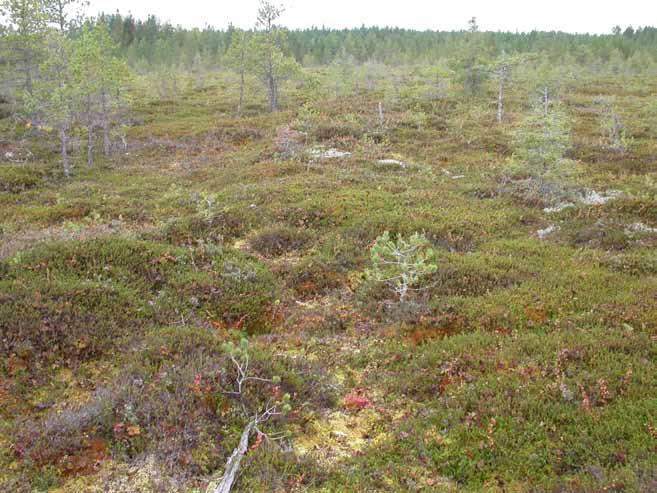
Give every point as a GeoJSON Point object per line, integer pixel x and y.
{"type": "Point", "coordinates": [502, 73]}
{"type": "Point", "coordinates": [3, 64]}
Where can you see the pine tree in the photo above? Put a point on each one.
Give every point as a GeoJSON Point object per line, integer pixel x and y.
{"type": "Point", "coordinates": [26, 29]}
{"type": "Point", "coordinates": [99, 77]}
{"type": "Point", "coordinates": [502, 68]}
{"type": "Point", "coordinates": [271, 65]}
{"type": "Point", "coordinates": [54, 98]}
{"type": "Point", "coordinates": [58, 12]}
{"type": "Point", "coordinates": [240, 57]}
{"type": "Point", "coordinates": [542, 140]}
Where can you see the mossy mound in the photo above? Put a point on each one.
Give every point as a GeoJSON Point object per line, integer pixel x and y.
{"type": "Point", "coordinates": [71, 301]}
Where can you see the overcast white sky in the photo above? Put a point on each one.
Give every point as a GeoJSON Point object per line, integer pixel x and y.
{"type": "Point", "coordinates": [596, 16]}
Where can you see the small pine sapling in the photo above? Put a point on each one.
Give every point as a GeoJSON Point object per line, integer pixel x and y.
{"type": "Point", "coordinates": [307, 117]}
{"type": "Point", "coordinates": [542, 140]}
{"type": "Point", "coordinates": [402, 264]}
{"type": "Point", "coordinates": [615, 132]}
{"type": "Point", "coordinates": [207, 205]}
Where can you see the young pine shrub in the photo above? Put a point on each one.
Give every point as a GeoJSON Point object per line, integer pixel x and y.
{"type": "Point", "coordinates": [615, 133]}
{"type": "Point", "coordinates": [538, 169]}
{"type": "Point", "coordinates": [416, 118]}
{"type": "Point", "coordinates": [542, 140]}
{"type": "Point", "coordinates": [207, 205]}
{"type": "Point", "coordinates": [402, 265]}
{"type": "Point", "coordinates": [307, 118]}
{"type": "Point", "coordinates": [16, 179]}
{"type": "Point", "coordinates": [649, 116]}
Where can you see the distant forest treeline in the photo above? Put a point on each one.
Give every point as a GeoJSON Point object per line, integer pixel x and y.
{"type": "Point", "coordinates": [154, 43]}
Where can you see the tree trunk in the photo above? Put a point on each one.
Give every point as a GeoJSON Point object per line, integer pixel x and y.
{"type": "Point", "coordinates": [90, 133]}
{"type": "Point", "coordinates": [60, 15]}
{"type": "Point", "coordinates": [500, 104]}
{"type": "Point", "coordinates": [546, 101]}
{"type": "Point", "coordinates": [500, 96]}
{"type": "Point", "coordinates": [63, 135]}
{"type": "Point", "coordinates": [29, 85]}
{"type": "Point", "coordinates": [240, 106]}
{"type": "Point", "coordinates": [107, 143]}
{"type": "Point", "coordinates": [90, 145]}
{"type": "Point", "coordinates": [273, 94]}
{"type": "Point", "coordinates": [271, 79]}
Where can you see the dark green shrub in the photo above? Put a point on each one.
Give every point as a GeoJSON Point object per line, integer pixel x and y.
{"type": "Point", "coordinates": [224, 226]}
{"type": "Point", "coordinates": [69, 302]}
{"type": "Point", "coordinates": [65, 322]}
{"type": "Point", "coordinates": [635, 263]}
{"type": "Point", "coordinates": [537, 192]}
{"type": "Point", "coordinates": [316, 276]}
{"type": "Point", "coordinates": [643, 207]}
{"type": "Point", "coordinates": [601, 234]}
{"type": "Point", "coordinates": [65, 211]}
{"type": "Point", "coordinates": [331, 132]}
{"type": "Point", "coordinates": [17, 179]}
{"type": "Point", "coordinates": [5, 109]}
{"type": "Point", "coordinates": [239, 293]}
{"type": "Point", "coordinates": [142, 264]}
{"type": "Point", "coordinates": [277, 241]}
{"type": "Point", "coordinates": [473, 275]}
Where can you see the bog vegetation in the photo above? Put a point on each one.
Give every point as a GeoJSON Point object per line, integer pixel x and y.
{"type": "Point", "coordinates": [319, 260]}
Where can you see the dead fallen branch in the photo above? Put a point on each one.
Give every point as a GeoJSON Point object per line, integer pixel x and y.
{"type": "Point", "coordinates": [234, 461]}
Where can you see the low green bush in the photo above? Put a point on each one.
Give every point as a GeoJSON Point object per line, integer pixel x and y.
{"type": "Point", "coordinates": [277, 241]}
{"type": "Point", "coordinates": [19, 178]}
{"type": "Point", "coordinates": [239, 293]}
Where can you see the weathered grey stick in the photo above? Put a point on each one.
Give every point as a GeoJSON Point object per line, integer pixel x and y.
{"type": "Point", "coordinates": [233, 463]}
